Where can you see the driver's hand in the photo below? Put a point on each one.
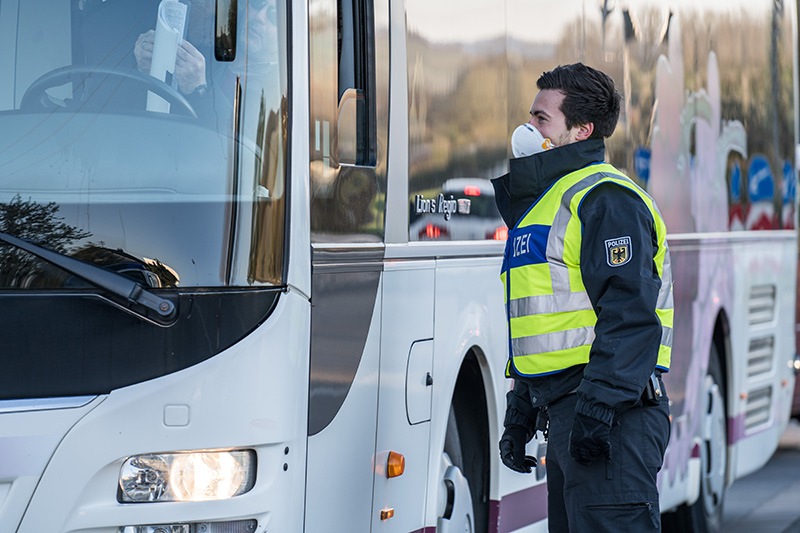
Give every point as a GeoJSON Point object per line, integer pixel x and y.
{"type": "Point", "coordinates": [190, 67]}
{"type": "Point", "coordinates": [143, 50]}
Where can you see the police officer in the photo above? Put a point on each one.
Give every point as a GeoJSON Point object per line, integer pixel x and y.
{"type": "Point", "coordinates": [588, 290]}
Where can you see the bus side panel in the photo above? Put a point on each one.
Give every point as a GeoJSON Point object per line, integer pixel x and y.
{"type": "Point", "coordinates": [407, 382]}
{"type": "Point", "coordinates": [345, 349]}
{"type": "Point", "coordinates": [702, 287]}
{"type": "Point", "coordinates": [760, 398]}
{"type": "Point", "coordinates": [470, 316]}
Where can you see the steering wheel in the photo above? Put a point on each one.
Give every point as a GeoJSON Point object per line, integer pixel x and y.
{"type": "Point", "coordinates": [36, 98]}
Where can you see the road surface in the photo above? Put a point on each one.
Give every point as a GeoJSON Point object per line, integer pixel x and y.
{"type": "Point", "coordinates": [768, 500]}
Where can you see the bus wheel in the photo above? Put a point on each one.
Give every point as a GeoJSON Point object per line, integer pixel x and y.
{"type": "Point", "coordinates": [714, 450]}
{"type": "Point", "coordinates": [454, 501]}
{"type": "Point", "coordinates": [705, 515]}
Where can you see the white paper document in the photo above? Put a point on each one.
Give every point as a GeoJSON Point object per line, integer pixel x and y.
{"type": "Point", "coordinates": [170, 24]}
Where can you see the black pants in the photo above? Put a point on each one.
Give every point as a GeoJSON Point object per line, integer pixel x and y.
{"type": "Point", "coordinates": [618, 494]}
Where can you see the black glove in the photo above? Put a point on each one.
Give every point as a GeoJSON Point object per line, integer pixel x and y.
{"type": "Point", "coordinates": [589, 440]}
{"type": "Point", "coordinates": [512, 449]}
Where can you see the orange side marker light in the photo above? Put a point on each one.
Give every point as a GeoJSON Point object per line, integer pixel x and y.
{"type": "Point", "coordinates": [395, 465]}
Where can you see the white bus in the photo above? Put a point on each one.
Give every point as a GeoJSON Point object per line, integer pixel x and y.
{"type": "Point", "coordinates": [249, 266]}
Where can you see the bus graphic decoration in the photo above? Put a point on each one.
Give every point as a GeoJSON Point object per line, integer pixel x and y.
{"type": "Point", "coordinates": [789, 196]}
{"type": "Point", "coordinates": [641, 163]}
{"type": "Point", "coordinates": [738, 207]}
{"type": "Point", "coordinates": [761, 190]}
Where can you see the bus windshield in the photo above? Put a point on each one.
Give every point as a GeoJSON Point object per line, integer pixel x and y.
{"type": "Point", "coordinates": [144, 137]}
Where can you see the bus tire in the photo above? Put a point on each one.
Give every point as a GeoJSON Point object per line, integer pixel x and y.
{"type": "Point", "coordinates": [705, 515]}
{"type": "Point", "coordinates": [466, 446]}
{"type": "Point", "coordinates": [454, 504]}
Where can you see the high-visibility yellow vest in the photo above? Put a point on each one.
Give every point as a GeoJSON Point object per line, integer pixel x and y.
{"type": "Point", "coordinates": [550, 317]}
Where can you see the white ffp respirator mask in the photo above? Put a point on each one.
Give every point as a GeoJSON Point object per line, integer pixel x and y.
{"type": "Point", "coordinates": [526, 140]}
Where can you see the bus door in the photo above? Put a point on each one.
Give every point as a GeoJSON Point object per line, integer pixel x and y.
{"type": "Point", "coordinates": [405, 395]}
{"type": "Point", "coordinates": [347, 186]}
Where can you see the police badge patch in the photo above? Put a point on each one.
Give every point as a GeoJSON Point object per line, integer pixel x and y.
{"type": "Point", "coordinates": [618, 251]}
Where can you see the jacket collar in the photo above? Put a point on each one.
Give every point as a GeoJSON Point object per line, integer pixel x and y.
{"type": "Point", "coordinates": [531, 176]}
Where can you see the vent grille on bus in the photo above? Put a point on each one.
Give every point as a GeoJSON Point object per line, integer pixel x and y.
{"type": "Point", "coordinates": [757, 409]}
{"type": "Point", "coordinates": [761, 307]}
{"type": "Point", "coordinates": [760, 356]}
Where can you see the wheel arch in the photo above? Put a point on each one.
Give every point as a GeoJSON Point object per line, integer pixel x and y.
{"type": "Point", "coordinates": [722, 342]}
{"type": "Point", "coordinates": [475, 410]}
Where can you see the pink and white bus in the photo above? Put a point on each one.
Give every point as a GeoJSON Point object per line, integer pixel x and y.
{"type": "Point", "coordinates": [249, 260]}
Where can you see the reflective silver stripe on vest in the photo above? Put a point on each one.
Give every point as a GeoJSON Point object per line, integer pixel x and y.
{"type": "Point", "coordinates": [665, 293]}
{"type": "Point", "coordinates": [666, 336]}
{"type": "Point", "coordinates": [553, 342]}
{"type": "Point", "coordinates": [559, 272]}
{"type": "Point", "coordinates": [550, 303]}
{"type": "Point", "coordinates": [555, 244]}
{"type": "Point", "coordinates": [665, 300]}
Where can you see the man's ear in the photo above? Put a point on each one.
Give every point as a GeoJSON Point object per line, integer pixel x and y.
{"type": "Point", "coordinates": [585, 131]}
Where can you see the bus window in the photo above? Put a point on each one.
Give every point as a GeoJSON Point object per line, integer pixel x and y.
{"type": "Point", "coordinates": [347, 182]}
{"type": "Point", "coordinates": [457, 120]}
{"type": "Point", "coordinates": [183, 168]}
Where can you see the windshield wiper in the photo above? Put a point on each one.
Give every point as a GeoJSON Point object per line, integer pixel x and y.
{"type": "Point", "coordinates": [116, 284]}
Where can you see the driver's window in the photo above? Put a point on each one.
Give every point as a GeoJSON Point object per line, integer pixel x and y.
{"type": "Point", "coordinates": [101, 55]}
{"type": "Point", "coordinates": [43, 36]}
{"type": "Point", "coordinates": [39, 45]}
{"type": "Point", "coordinates": [104, 37]}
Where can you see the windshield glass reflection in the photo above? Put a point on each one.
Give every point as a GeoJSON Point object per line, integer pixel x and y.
{"type": "Point", "coordinates": [120, 143]}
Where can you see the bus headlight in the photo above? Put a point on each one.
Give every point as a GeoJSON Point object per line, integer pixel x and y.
{"type": "Point", "coordinates": [186, 476]}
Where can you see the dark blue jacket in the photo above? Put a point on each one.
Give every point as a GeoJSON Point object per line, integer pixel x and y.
{"type": "Point", "coordinates": [628, 332]}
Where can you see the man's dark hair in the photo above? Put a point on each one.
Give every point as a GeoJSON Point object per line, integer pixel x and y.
{"type": "Point", "coordinates": [589, 96]}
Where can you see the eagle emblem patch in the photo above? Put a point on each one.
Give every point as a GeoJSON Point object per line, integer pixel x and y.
{"type": "Point", "coordinates": [618, 251]}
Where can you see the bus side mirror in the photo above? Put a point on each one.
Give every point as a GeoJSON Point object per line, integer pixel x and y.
{"type": "Point", "coordinates": [350, 127]}
{"type": "Point", "coordinates": [225, 30]}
